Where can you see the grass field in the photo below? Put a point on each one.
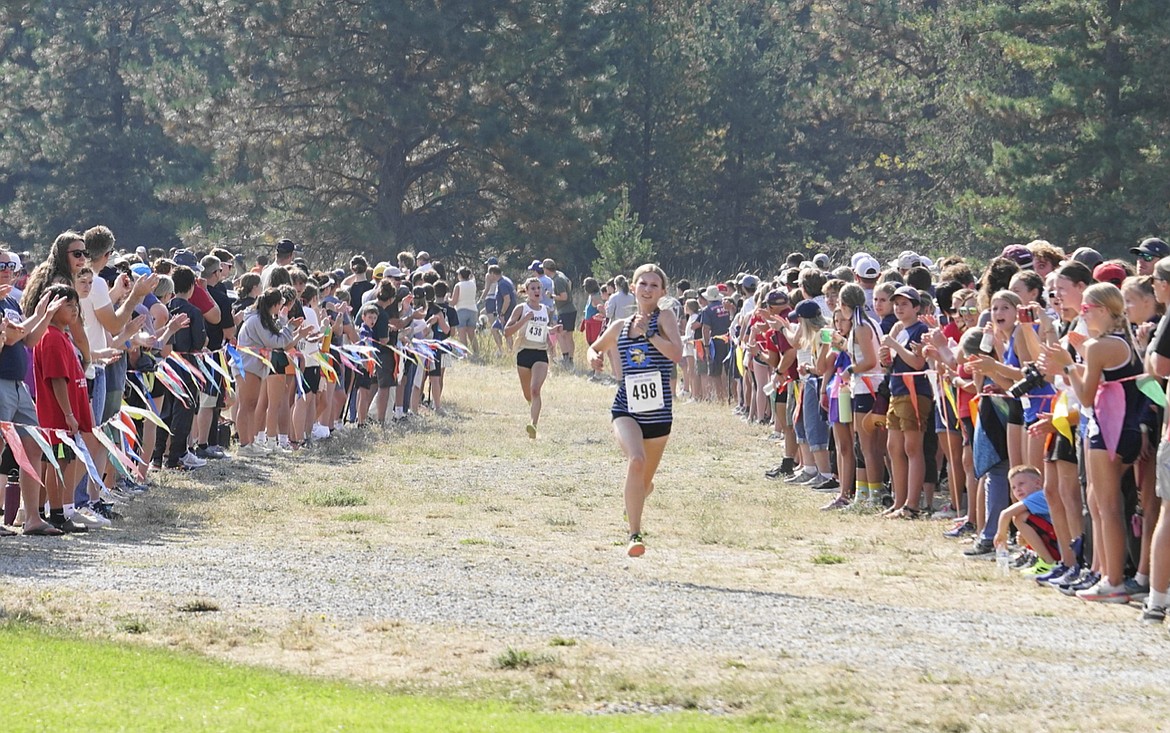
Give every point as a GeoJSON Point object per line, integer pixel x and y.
{"type": "Point", "coordinates": [75, 685]}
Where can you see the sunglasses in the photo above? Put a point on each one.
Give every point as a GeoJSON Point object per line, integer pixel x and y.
{"type": "Point", "coordinates": [1051, 294]}
{"type": "Point", "coordinates": [1147, 257]}
{"type": "Point", "coordinates": [1086, 306]}
{"type": "Point", "coordinates": [78, 254]}
{"type": "Point", "coordinates": [7, 266]}
{"type": "Point", "coordinates": [968, 310]}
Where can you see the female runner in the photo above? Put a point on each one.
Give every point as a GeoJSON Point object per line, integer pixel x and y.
{"type": "Point", "coordinates": [533, 320]}
{"type": "Point", "coordinates": [648, 345]}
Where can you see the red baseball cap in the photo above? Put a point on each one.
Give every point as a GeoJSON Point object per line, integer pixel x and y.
{"type": "Point", "coordinates": [1108, 272]}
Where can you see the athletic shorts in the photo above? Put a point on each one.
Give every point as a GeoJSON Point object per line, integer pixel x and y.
{"type": "Point", "coordinates": [1059, 448]}
{"type": "Point", "coordinates": [862, 403]}
{"type": "Point", "coordinates": [279, 361]}
{"type": "Point", "coordinates": [312, 379]}
{"type": "Point", "coordinates": [1044, 528]}
{"type": "Point", "coordinates": [387, 365]}
{"type": "Point", "coordinates": [528, 358]}
{"type": "Point", "coordinates": [1128, 446]}
{"type": "Point", "coordinates": [968, 429]}
{"type": "Point", "coordinates": [719, 351]}
{"type": "Point", "coordinates": [649, 430]}
{"type": "Point", "coordinates": [568, 321]}
{"type": "Point", "coordinates": [902, 416]}
{"type": "Point", "coordinates": [437, 369]}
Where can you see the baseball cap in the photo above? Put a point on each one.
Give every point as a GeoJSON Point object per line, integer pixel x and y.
{"type": "Point", "coordinates": [857, 256]}
{"type": "Point", "coordinates": [906, 260]}
{"type": "Point", "coordinates": [338, 275]}
{"type": "Point", "coordinates": [821, 260]}
{"type": "Point", "coordinates": [536, 266]}
{"type": "Point", "coordinates": [908, 292]}
{"type": "Point", "coordinates": [1152, 247]}
{"type": "Point", "coordinates": [380, 269]}
{"type": "Point", "coordinates": [402, 292]}
{"type": "Point", "coordinates": [1018, 253]}
{"type": "Point", "coordinates": [186, 258]}
{"type": "Point", "coordinates": [777, 297]}
{"type": "Point", "coordinates": [807, 309]}
{"type": "Point", "coordinates": [140, 269]}
{"type": "Point", "coordinates": [1109, 272]}
{"type": "Point", "coordinates": [867, 267]}
{"type": "Point", "coordinates": [750, 282]}
{"type": "Point", "coordinates": [1088, 257]}
{"type": "Point", "coordinates": [492, 261]}
{"type": "Point", "coordinates": [393, 271]}
{"type": "Point", "coordinates": [286, 245]}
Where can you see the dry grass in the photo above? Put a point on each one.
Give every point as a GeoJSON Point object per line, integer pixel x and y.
{"type": "Point", "coordinates": [472, 485]}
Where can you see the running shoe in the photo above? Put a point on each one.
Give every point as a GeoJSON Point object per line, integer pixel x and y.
{"type": "Point", "coordinates": [1037, 568]}
{"type": "Point", "coordinates": [839, 503]}
{"type": "Point", "coordinates": [1152, 614]}
{"type": "Point", "coordinates": [1056, 571]}
{"type": "Point", "coordinates": [1024, 560]}
{"type": "Point", "coordinates": [1102, 592]}
{"type": "Point", "coordinates": [1087, 580]}
{"type": "Point", "coordinates": [961, 531]}
{"type": "Point", "coordinates": [829, 484]}
{"type": "Point", "coordinates": [801, 478]}
{"type": "Point", "coordinates": [89, 518]}
{"type": "Point", "coordinates": [190, 460]}
{"type": "Point", "coordinates": [980, 549]}
{"type": "Point", "coordinates": [531, 430]}
{"type": "Point", "coordinates": [1136, 590]}
{"type": "Point", "coordinates": [636, 548]}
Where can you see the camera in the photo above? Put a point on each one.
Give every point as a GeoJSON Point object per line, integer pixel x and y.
{"type": "Point", "coordinates": [1031, 380]}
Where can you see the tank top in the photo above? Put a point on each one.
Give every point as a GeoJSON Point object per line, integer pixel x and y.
{"type": "Point", "coordinates": [861, 383]}
{"type": "Point", "coordinates": [534, 334]}
{"type": "Point", "coordinates": [647, 372]}
{"type": "Point", "coordinates": [464, 299]}
{"type": "Point", "coordinates": [1135, 401]}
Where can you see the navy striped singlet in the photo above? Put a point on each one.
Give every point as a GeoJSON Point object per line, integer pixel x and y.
{"type": "Point", "coordinates": [639, 356]}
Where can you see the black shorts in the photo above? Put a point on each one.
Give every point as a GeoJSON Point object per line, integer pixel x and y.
{"type": "Point", "coordinates": [437, 370]}
{"type": "Point", "coordinates": [568, 321]}
{"type": "Point", "coordinates": [862, 403]}
{"type": "Point", "coordinates": [528, 358]}
{"type": "Point", "coordinates": [279, 361]}
{"type": "Point", "coordinates": [649, 430]}
{"type": "Point", "coordinates": [1060, 448]}
{"type": "Point", "coordinates": [719, 351]}
{"type": "Point", "coordinates": [312, 379]}
{"type": "Point", "coordinates": [969, 430]}
{"type": "Point", "coordinates": [1128, 446]}
{"type": "Point", "coordinates": [387, 365]}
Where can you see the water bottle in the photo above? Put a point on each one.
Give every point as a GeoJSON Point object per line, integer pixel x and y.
{"type": "Point", "coordinates": [987, 343]}
{"type": "Point", "coordinates": [1003, 560]}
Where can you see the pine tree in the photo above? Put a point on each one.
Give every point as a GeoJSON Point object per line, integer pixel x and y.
{"type": "Point", "coordinates": [620, 243]}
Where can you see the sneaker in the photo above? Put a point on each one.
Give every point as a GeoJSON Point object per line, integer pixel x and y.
{"type": "Point", "coordinates": [89, 518]}
{"type": "Point", "coordinates": [1023, 561]}
{"type": "Point", "coordinates": [829, 484]}
{"type": "Point", "coordinates": [177, 467]}
{"type": "Point", "coordinates": [980, 549]}
{"type": "Point", "coordinates": [1055, 571]}
{"type": "Point", "coordinates": [1135, 590]}
{"type": "Point", "coordinates": [1038, 568]}
{"type": "Point", "coordinates": [531, 430]}
{"type": "Point", "coordinates": [801, 478]}
{"type": "Point", "coordinates": [66, 525]}
{"type": "Point", "coordinates": [106, 510]}
{"type": "Point", "coordinates": [1152, 614]}
{"type": "Point", "coordinates": [774, 473]}
{"type": "Point", "coordinates": [636, 548]}
{"type": "Point", "coordinates": [251, 450]}
{"type": "Point", "coordinates": [1086, 580]}
{"type": "Point", "coordinates": [215, 453]}
{"type": "Point", "coordinates": [960, 531]}
{"type": "Point", "coordinates": [1102, 592]}
{"type": "Point", "coordinates": [945, 513]}
{"type": "Point", "coordinates": [190, 460]}
{"type": "Point", "coordinates": [281, 448]}
{"type": "Point", "coordinates": [320, 432]}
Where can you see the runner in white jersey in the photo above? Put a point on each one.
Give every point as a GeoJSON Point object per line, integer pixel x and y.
{"type": "Point", "coordinates": [534, 322]}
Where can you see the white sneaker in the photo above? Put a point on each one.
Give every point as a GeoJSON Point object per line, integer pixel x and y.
{"type": "Point", "coordinates": [190, 460]}
{"type": "Point", "coordinates": [252, 450]}
{"type": "Point", "coordinates": [282, 448]}
{"type": "Point", "coordinates": [89, 518]}
{"type": "Point", "coordinates": [320, 432]}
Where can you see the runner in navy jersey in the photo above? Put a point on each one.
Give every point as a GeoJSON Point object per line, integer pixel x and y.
{"type": "Point", "coordinates": [648, 344]}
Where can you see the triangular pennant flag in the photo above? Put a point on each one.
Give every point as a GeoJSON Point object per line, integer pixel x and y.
{"type": "Point", "coordinates": [1151, 388]}
{"type": "Point", "coordinates": [12, 438]}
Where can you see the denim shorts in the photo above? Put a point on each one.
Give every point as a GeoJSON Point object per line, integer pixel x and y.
{"type": "Point", "coordinates": [813, 427]}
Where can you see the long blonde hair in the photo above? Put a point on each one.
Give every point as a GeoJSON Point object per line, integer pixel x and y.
{"type": "Point", "coordinates": [1108, 296]}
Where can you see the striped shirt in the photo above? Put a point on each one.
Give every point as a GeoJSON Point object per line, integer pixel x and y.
{"type": "Point", "coordinates": [639, 356]}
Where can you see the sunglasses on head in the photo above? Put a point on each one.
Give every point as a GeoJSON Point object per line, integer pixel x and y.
{"type": "Point", "coordinates": [1085, 307]}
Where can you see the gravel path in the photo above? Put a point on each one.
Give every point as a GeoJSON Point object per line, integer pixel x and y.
{"type": "Point", "coordinates": [606, 605]}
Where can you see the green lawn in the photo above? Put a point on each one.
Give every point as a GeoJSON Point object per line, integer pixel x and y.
{"type": "Point", "coordinates": [62, 684]}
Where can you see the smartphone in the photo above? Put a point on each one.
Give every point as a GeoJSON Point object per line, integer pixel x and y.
{"type": "Point", "coordinates": [1025, 314]}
